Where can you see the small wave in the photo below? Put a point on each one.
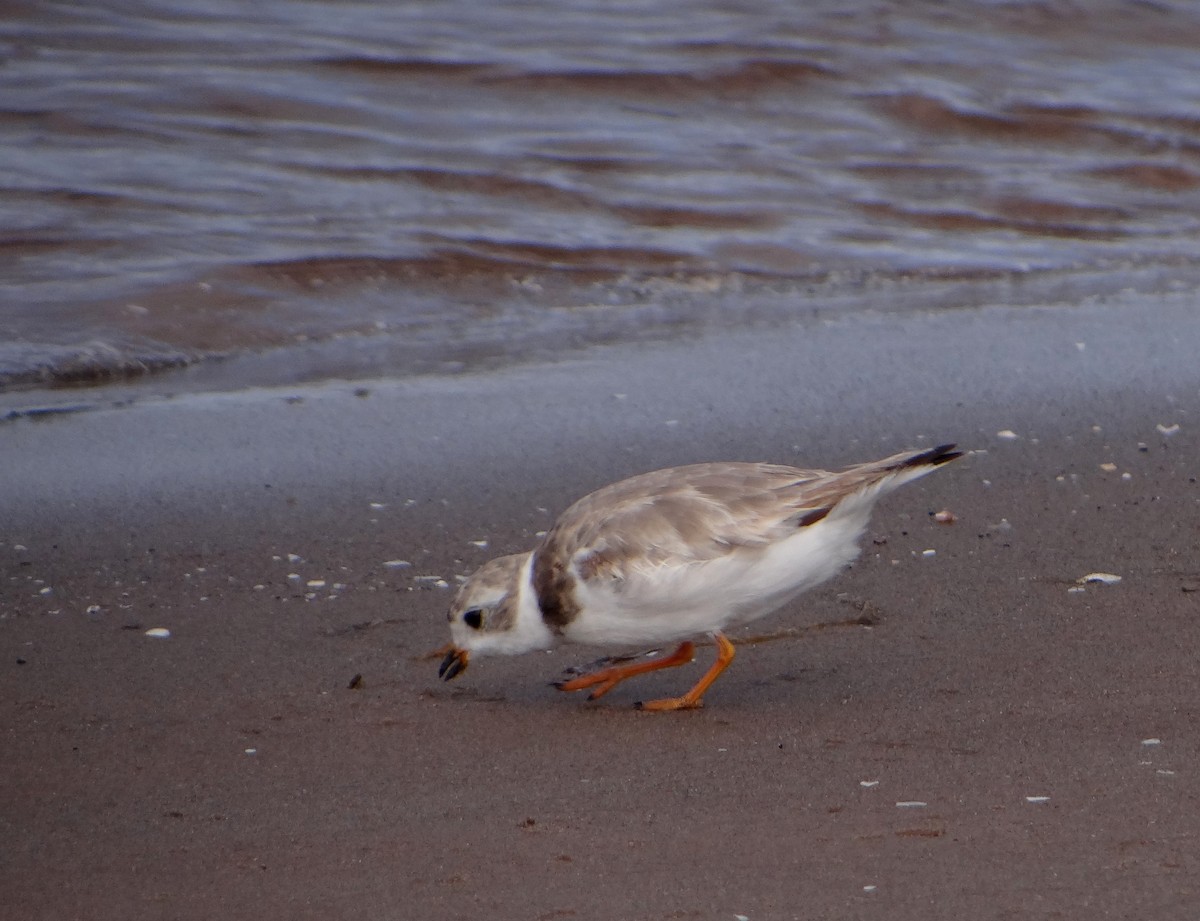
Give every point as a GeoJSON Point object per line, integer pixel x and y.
{"type": "Point", "coordinates": [1027, 124]}
{"type": "Point", "coordinates": [87, 364]}
{"type": "Point", "coordinates": [1033, 218]}
{"type": "Point", "coordinates": [741, 79]}
{"type": "Point", "coordinates": [404, 67]}
{"type": "Point", "coordinates": [469, 260]}
{"type": "Point", "coordinates": [1159, 177]}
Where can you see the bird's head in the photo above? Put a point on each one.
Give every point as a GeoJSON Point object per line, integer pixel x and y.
{"type": "Point", "coordinates": [483, 616]}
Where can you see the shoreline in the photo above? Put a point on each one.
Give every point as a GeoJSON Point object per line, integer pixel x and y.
{"type": "Point", "coordinates": [650, 311]}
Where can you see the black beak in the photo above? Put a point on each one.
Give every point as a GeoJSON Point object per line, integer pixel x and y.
{"type": "Point", "coordinates": [454, 664]}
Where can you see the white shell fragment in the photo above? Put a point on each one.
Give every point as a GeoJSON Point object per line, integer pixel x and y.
{"type": "Point", "coordinates": [1167, 430]}
{"type": "Point", "coordinates": [945, 516]}
{"type": "Point", "coordinates": [1037, 799]}
{"type": "Point", "coordinates": [315, 583]}
{"type": "Point", "coordinates": [911, 804]}
{"type": "Point", "coordinates": [1152, 741]}
{"type": "Point", "coordinates": [160, 633]}
{"type": "Point", "coordinates": [928, 553]}
{"type": "Point", "coordinates": [1007, 434]}
{"type": "Point", "coordinates": [397, 564]}
{"type": "Point", "coordinates": [1104, 578]}
{"type": "Point", "coordinates": [868, 783]}
{"type": "Point", "coordinates": [1108, 468]}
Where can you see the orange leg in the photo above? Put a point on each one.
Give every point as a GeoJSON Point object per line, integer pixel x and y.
{"type": "Point", "coordinates": [608, 678]}
{"type": "Point", "coordinates": [694, 697]}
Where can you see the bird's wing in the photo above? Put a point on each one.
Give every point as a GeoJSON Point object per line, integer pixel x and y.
{"type": "Point", "coordinates": [687, 515]}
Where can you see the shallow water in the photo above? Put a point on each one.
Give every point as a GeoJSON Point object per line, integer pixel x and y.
{"type": "Point", "coordinates": [229, 193]}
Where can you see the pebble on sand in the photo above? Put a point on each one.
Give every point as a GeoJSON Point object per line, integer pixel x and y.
{"type": "Point", "coordinates": [1103, 578]}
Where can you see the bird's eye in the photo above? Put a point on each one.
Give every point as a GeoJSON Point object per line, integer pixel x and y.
{"type": "Point", "coordinates": [473, 618]}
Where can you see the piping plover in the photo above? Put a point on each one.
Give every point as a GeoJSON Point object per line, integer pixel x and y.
{"type": "Point", "coordinates": [672, 555]}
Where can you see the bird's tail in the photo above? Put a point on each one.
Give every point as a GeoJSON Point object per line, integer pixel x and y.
{"type": "Point", "coordinates": [894, 471]}
{"type": "Point", "coordinates": [934, 457]}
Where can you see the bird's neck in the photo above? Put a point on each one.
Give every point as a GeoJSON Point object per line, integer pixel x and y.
{"type": "Point", "coordinates": [528, 631]}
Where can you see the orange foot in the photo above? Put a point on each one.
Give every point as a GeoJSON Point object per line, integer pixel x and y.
{"type": "Point", "coordinates": [606, 679]}
{"type": "Point", "coordinates": [695, 697]}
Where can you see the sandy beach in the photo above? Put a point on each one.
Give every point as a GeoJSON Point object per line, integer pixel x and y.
{"type": "Point", "coordinates": [967, 733]}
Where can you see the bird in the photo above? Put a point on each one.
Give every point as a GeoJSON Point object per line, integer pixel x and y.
{"type": "Point", "coordinates": [671, 556]}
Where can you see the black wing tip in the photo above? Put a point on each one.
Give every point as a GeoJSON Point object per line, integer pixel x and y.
{"type": "Point", "coordinates": [934, 457]}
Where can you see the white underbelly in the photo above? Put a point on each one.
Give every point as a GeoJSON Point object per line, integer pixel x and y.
{"type": "Point", "coordinates": [676, 602]}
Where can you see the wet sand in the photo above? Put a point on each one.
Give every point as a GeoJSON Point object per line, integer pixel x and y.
{"type": "Point", "coordinates": [230, 771]}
